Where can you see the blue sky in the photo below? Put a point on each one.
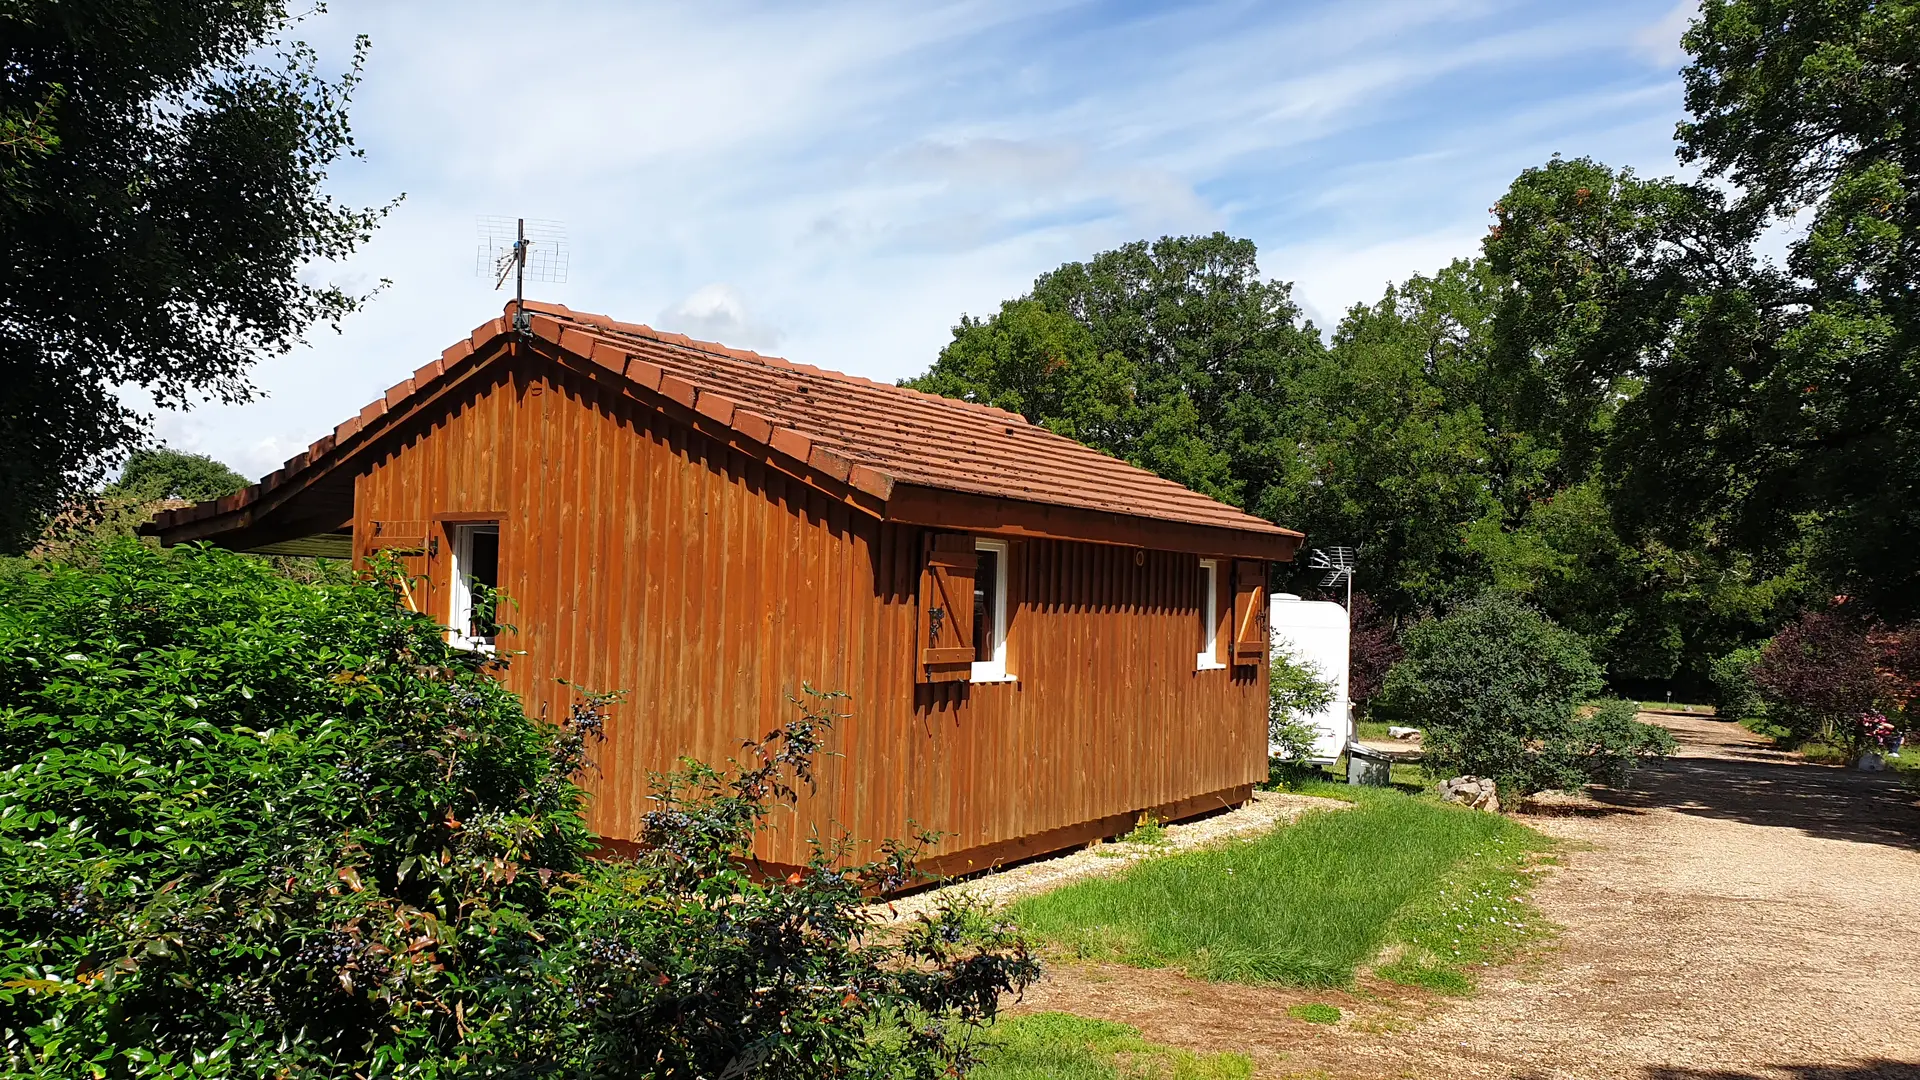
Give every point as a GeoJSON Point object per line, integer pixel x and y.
{"type": "Point", "coordinates": [837, 183]}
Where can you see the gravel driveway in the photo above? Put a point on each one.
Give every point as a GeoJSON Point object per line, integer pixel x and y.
{"type": "Point", "coordinates": [1738, 915]}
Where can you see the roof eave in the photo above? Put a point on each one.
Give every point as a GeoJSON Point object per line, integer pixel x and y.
{"type": "Point", "coordinates": [940, 508]}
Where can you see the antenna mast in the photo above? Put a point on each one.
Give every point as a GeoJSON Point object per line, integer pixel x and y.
{"type": "Point", "coordinates": [520, 247]}
{"type": "Point", "coordinates": [1339, 564]}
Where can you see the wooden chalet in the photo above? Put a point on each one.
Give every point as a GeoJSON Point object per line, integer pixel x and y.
{"type": "Point", "coordinates": [1039, 642]}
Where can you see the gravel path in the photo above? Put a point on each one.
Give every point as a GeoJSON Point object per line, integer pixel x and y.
{"type": "Point", "coordinates": [1739, 915]}
{"type": "Point", "coordinates": [1267, 810]}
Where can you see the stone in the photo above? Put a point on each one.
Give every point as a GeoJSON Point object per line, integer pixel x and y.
{"type": "Point", "coordinates": [1478, 792]}
{"type": "Point", "coordinates": [1403, 732]}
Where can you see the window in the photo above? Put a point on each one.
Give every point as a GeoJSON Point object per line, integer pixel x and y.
{"type": "Point", "coordinates": [476, 585]}
{"type": "Point", "coordinates": [990, 612]}
{"type": "Point", "coordinates": [1209, 658]}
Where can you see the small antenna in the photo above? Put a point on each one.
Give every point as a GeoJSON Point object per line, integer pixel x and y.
{"type": "Point", "coordinates": [1339, 564]}
{"type": "Point", "coordinates": [523, 247]}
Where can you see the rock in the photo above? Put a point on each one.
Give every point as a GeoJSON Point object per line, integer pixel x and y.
{"type": "Point", "coordinates": [1475, 791]}
{"type": "Point", "coordinates": [1403, 732]}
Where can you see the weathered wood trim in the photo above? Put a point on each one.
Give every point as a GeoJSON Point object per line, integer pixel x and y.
{"type": "Point", "coordinates": [913, 504]}
{"type": "Point", "coordinates": [341, 450]}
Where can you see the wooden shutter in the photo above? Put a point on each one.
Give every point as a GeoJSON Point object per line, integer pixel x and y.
{"type": "Point", "coordinates": [946, 641]}
{"type": "Point", "coordinates": [1249, 612]}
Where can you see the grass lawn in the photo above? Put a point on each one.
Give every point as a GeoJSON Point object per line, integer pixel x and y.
{"type": "Point", "coordinates": [1422, 889]}
{"type": "Point", "coordinates": [1060, 1046]}
{"type": "Point", "coordinates": [1678, 707]}
{"type": "Point", "coordinates": [1371, 731]}
{"type": "Point", "coordinates": [1331, 780]}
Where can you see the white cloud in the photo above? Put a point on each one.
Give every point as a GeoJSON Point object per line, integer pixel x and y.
{"type": "Point", "coordinates": [842, 180]}
{"type": "Point", "coordinates": [1331, 278]}
{"type": "Point", "coordinates": [1659, 41]}
{"type": "Point", "coordinates": [717, 312]}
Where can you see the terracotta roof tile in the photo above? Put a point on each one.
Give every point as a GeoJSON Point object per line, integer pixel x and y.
{"type": "Point", "coordinates": [838, 423]}
{"type": "Point", "coordinates": [872, 435]}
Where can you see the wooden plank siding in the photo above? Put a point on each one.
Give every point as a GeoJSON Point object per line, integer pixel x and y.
{"type": "Point", "coordinates": [644, 557]}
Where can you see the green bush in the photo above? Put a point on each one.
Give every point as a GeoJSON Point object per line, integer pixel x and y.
{"type": "Point", "coordinates": [1496, 688]}
{"type": "Point", "coordinates": [1736, 695]}
{"type": "Point", "coordinates": [254, 827]}
{"type": "Point", "coordinates": [1607, 744]}
{"type": "Point", "coordinates": [1295, 691]}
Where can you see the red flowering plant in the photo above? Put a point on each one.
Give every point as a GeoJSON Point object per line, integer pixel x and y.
{"type": "Point", "coordinates": [1828, 675]}
{"type": "Point", "coordinates": [1878, 733]}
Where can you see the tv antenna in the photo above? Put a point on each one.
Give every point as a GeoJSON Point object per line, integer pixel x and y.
{"type": "Point", "coordinates": [1339, 564]}
{"type": "Point", "coordinates": [525, 248]}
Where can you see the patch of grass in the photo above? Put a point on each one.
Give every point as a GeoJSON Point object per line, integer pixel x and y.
{"type": "Point", "coordinates": [1310, 903]}
{"type": "Point", "coordinates": [1149, 830]}
{"type": "Point", "coordinates": [1824, 753]}
{"type": "Point", "coordinates": [1061, 1046]}
{"type": "Point", "coordinates": [1675, 706]}
{"type": "Point", "coordinates": [1371, 731]}
{"type": "Point", "coordinates": [1907, 765]}
{"type": "Point", "coordinates": [1315, 1012]}
{"type": "Point", "coordinates": [1322, 779]}
{"type": "Point", "coordinates": [1479, 916]}
{"type": "Point", "coordinates": [1761, 726]}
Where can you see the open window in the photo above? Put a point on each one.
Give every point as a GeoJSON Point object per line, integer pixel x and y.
{"type": "Point", "coordinates": [990, 612]}
{"type": "Point", "coordinates": [475, 588]}
{"type": "Point", "coordinates": [1209, 586]}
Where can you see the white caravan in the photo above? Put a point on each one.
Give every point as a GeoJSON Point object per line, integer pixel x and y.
{"type": "Point", "coordinates": [1316, 631]}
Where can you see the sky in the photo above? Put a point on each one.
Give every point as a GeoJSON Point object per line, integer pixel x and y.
{"type": "Point", "coordinates": [838, 183]}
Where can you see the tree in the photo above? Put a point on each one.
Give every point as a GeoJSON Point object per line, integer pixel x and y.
{"type": "Point", "coordinates": [1495, 687]}
{"type": "Point", "coordinates": [160, 197]}
{"type": "Point", "coordinates": [1780, 398]}
{"type": "Point", "coordinates": [1399, 453]}
{"type": "Point", "coordinates": [1175, 356]}
{"type": "Point", "coordinates": [1296, 690]}
{"type": "Point", "coordinates": [1373, 647]}
{"type": "Point", "coordinates": [1812, 107]}
{"type": "Point", "coordinates": [172, 474]}
{"type": "Point", "coordinates": [1819, 675]}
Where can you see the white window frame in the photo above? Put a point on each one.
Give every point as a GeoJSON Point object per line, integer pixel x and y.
{"type": "Point", "coordinates": [995, 670]}
{"type": "Point", "coordinates": [460, 594]}
{"type": "Point", "coordinates": [1208, 659]}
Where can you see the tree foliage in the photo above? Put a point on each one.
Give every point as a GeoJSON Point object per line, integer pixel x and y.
{"type": "Point", "coordinates": [1373, 647]}
{"type": "Point", "coordinates": [250, 827]}
{"type": "Point", "coordinates": [1399, 450]}
{"type": "Point", "coordinates": [1496, 688]}
{"type": "Point", "coordinates": [1296, 690]}
{"type": "Point", "coordinates": [1826, 670]}
{"type": "Point", "coordinates": [160, 473]}
{"type": "Point", "coordinates": [1736, 694]}
{"type": "Point", "coordinates": [161, 191]}
{"type": "Point", "coordinates": [1766, 408]}
{"type": "Point", "coordinates": [1176, 356]}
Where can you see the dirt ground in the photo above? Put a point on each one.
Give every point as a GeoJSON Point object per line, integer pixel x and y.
{"type": "Point", "coordinates": [1738, 915]}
